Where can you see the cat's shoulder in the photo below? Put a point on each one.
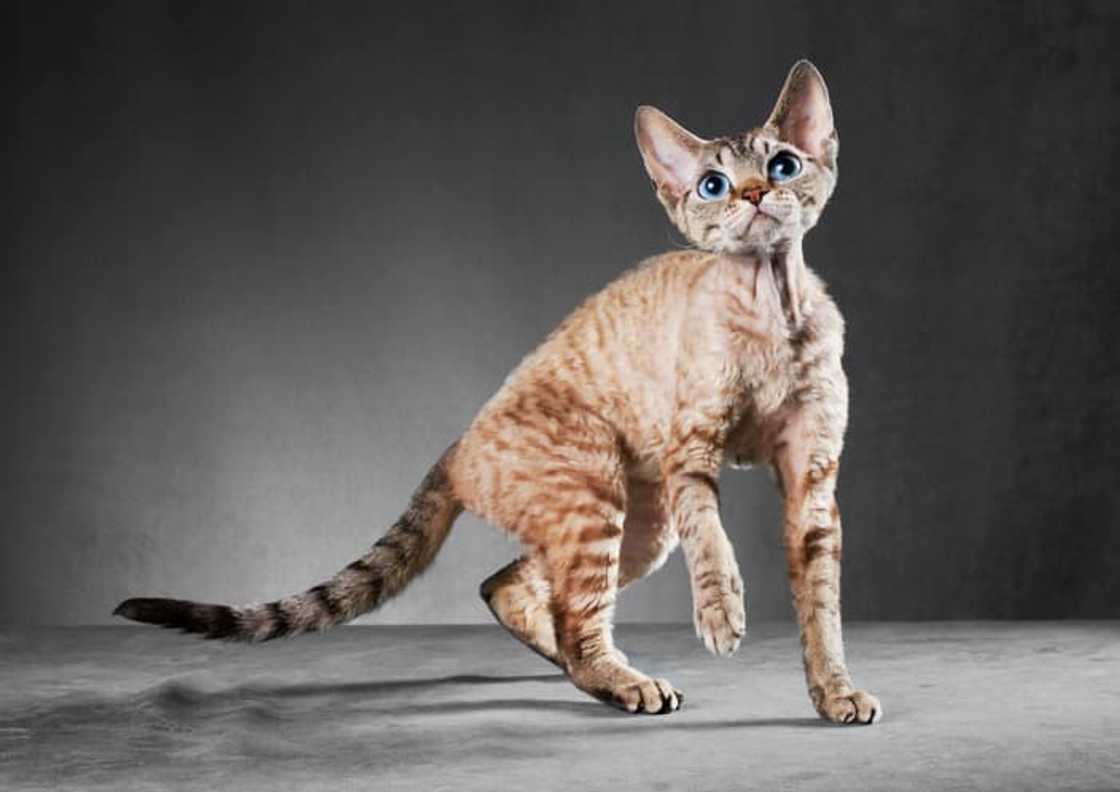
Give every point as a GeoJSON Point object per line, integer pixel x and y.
{"type": "Point", "coordinates": [679, 260]}
{"type": "Point", "coordinates": [676, 266]}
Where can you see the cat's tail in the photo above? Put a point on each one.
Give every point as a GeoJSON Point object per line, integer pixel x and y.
{"type": "Point", "coordinates": [401, 554]}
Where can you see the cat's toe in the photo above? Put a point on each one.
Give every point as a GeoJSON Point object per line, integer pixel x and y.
{"type": "Point", "coordinates": [856, 708]}
{"type": "Point", "coordinates": [625, 687]}
{"type": "Point", "coordinates": [671, 698]}
{"type": "Point", "coordinates": [650, 696]}
{"type": "Point", "coordinates": [647, 696]}
{"type": "Point", "coordinates": [722, 624]}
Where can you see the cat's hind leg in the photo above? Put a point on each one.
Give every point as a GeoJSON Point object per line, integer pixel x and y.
{"type": "Point", "coordinates": [518, 593]}
{"type": "Point", "coordinates": [553, 476]}
{"type": "Point", "coordinates": [518, 596]}
{"type": "Point", "coordinates": [581, 564]}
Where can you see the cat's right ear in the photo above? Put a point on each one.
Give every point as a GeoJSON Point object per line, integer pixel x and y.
{"type": "Point", "coordinates": [670, 152]}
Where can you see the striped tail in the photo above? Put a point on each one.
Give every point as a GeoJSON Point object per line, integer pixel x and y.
{"type": "Point", "coordinates": [382, 573]}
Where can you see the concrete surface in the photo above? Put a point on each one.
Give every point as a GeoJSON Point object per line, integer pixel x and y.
{"type": "Point", "coordinates": [968, 706]}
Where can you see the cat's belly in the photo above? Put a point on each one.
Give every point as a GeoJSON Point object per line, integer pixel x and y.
{"type": "Point", "coordinates": [645, 448]}
{"type": "Point", "coordinates": [648, 535]}
{"type": "Point", "coordinates": [765, 416]}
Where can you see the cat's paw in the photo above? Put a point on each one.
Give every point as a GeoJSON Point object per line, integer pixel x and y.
{"type": "Point", "coordinates": [721, 622]}
{"type": "Point", "coordinates": [856, 708]}
{"type": "Point", "coordinates": [650, 696]}
{"type": "Point", "coordinates": [626, 688]}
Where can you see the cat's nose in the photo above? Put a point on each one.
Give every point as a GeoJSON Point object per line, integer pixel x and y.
{"type": "Point", "coordinates": [754, 192]}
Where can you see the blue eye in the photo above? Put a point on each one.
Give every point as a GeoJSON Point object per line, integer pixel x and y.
{"type": "Point", "coordinates": [783, 167]}
{"type": "Point", "coordinates": [713, 185]}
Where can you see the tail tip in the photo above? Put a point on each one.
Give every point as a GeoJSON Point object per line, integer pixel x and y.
{"type": "Point", "coordinates": [129, 609]}
{"type": "Point", "coordinates": [211, 621]}
{"type": "Point", "coordinates": [152, 610]}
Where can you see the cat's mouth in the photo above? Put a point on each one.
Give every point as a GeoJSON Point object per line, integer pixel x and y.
{"type": "Point", "coordinates": [757, 220]}
{"type": "Point", "coordinates": [745, 230]}
{"type": "Point", "coordinates": [740, 223]}
{"type": "Point", "coordinates": [748, 233]}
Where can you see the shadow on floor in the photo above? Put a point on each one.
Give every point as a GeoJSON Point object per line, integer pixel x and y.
{"type": "Point", "coordinates": [394, 685]}
{"type": "Point", "coordinates": [177, 706]}
{"type": "Point", "coordinates": [754, 723]}
{"type": "Point", "coordinates": [182, 706]}
{"type": "Point", "coordinates": [190, 726]}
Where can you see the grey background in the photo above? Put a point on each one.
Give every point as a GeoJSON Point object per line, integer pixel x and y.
{"type": "Point", "coordinates": [264, 263]}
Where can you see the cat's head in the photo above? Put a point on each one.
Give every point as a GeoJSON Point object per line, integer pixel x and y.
{"type": "Point", "coordinates": [750, 193]}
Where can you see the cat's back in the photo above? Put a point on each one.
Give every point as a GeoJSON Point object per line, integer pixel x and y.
{"type": "Point", "coordinates": [626, 334]}
{"type": "Point", "coordinates": [663, 283]}
{"type": "Point", "coordinates": [614, 356]}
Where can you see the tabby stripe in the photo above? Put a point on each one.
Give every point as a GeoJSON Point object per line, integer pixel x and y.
{"type": "Point", "coordinates": [817, 543]}
{"type": "Point", "coordinates": [599, 533]}
{"type": "Point", "coordinates": [814, 475]}
{"type": "Point", "coordinates": [323, 596]}
{"type": "Point", "coordinates": [409, 524]}
{"type": "Point", "coordinates": [389, 543]}
{"type": "Point", "coordinates": [281, 625]}
{"type": "Point", "coordinates": [376, 584]}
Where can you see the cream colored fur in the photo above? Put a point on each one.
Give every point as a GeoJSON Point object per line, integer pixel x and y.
{"type": "Point", "coordinates": [601, 451]}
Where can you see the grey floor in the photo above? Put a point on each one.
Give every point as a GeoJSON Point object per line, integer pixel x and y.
{"type": "Point", "coordinates": [1018, 706]}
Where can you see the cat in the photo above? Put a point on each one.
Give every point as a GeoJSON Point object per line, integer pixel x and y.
{"type": "Point", "coordinates": [601, 451]}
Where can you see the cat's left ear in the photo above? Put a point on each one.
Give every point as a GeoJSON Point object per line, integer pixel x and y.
{"type": "Point", "coordinates": [670, 152]}
{"type": "Point", "coordinates": [803, 114]}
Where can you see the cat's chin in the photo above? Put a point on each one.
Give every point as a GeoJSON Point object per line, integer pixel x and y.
{"type": "Point", "coordinates": [760, 238]}
{"type": "Point", "coordinates": [751, 247]}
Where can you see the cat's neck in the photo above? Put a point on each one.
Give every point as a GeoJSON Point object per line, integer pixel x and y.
{"type": "Point", "coordinates": [785, 268]}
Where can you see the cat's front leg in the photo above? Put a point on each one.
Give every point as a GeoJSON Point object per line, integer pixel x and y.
{"type": "Point", "coordinates": [807, 460]}
{"type": "Point", "coordinates": [717, 586]}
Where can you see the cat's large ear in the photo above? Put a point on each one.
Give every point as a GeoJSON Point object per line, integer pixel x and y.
{"type": "Point", "coordinates": [803, 114]}
{"type": "Point", "coordinates": [670, 152]}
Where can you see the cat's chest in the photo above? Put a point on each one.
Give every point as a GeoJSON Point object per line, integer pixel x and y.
{"type": "Point", "coordinates": [762, 342]}
{"type": "Point", "coordinates": [769, 376]}
{"type": "Point", "coordinates": [763, 405]}
{"type": "Point", "coordinates": [778, 379]}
